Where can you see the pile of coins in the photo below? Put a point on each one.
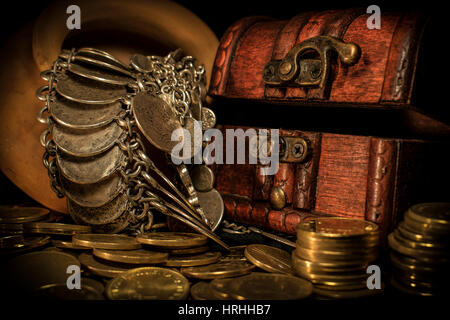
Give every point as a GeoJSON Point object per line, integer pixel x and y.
{"type": "Point", "coordinates": [152, 265]}
{"type": "Point", "coordinates": [334, 253]}
{"type": "Point", "coordinates": [421, 250]}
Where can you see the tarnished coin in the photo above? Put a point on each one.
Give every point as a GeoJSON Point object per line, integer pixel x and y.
{"type": "Point", "coordinates": [212, 204]}
{"type": "Point", "coordinates": [101, 269]}
{"type": "Point", "coordinates": [149, 283]}
{"type": "Point", "coordinates": [106, 241]}
{"type": "Point", "coordinates": [218, 270]}
{"type": "Point", "coordinates": [60, 291]}
{"type": "Point", "coordinates": [262, 286]}
{"type": "Point", "coordinates": [202, 178]}
{"type": "Point", "coordinates": [82, 116]}
{"type": "Point", "coordinates": [105, 214]}
{"type": "Point", "coordinates": [208, 119]}
{"type": "Point", "coordinates": [86, 143]}
{"type": "Point", "coordinates": [28, 244]}
{"type": "Point", "coordinates": [172, 239]}
{"type": "Point", "coordinates": [140, 62]}
{"type": "Point", "coordinates": [22, 214]}
{"type": "Point", "coordinates": [94, 194]}
{"type": "Point", "coordinates": [88, 91]}
{"type": "Point", "coordinates": [202, 291]}
{"type": "Point", "coordinates": [337, 228]}
{"type": "Point", "coordinates": [89, 170]}
{"type": "Point", "coordinates": [433, 212]}
{"type": "Point", "coordinates": [268, 258]}
{"type": "Point", "coordinates": [158, 120]}
{"type": "Point", "coordinates": [194, 260]}
{"type": "Point", "coordinates": [99, 75]}
{"type": "Point", "coordinates": [97, 285]}
{"type": "Point", "coordinates": [139, 256]}
{"type": "Point", "coordinates": [28, 272]}
{"type": "Point", "coordinates": [55, 228]}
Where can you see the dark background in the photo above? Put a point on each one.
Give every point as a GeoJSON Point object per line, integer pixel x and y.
{"type": "Point", "coordinates": [219, 15]}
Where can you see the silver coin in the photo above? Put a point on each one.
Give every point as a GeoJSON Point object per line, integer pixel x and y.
{"type": "Point", "coordinates": [208, 119]}
{"type": "Point", "coordinates": [81, 116]}
{"type": "Point", "coordinates": [90, 169]}
{"type": "Point", "coordinates": [99, 75]}
{"type": "Point", "coordinates": [213, 207]}
{"type": "Point", "coordinates": [202, 178]}
{"type": "Point", "coordinates": [95, 194]}
{"type": "Point", "coordinates": [105, 214]}
{"type": "Point", "coordinates": [88, 91]}
{"type": "Point", "coordinates": [157, 120]}
{"type": "Point", "coordinates": [140, 62]}
{"type": "Point", "coordinates": [86, 143]}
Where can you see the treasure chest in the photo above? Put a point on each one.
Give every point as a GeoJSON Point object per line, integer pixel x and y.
{"type": "Point", "coordinates": [356, 138]}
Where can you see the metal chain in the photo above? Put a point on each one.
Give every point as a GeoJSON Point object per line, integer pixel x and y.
{"type": "Point", "coordinates": [234, 228]}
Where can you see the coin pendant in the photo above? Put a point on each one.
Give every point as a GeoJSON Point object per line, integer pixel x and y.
{"type": "Point", "coordinates": [87, 91]}
{"type": "Point", "coordinates": [202, 178]}
{"type": "Point", "coordinates": [212, 204]}
{"type": "Point", "coordinates": [208, 119]}
{"type": "Point", "coordinates": [89, 170]}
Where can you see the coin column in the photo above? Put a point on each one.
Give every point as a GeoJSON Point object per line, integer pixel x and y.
{"type": "Point", "coordinates": [334, 253]}
{"type": "Point", "coordinates": [421, 250]}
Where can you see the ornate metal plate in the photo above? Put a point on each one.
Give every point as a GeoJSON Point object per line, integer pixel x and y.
{"type": "Point", "coordinates": [86, 143]}
{"type": "Point", "coordinates": [157, 120]}
{"type": "Point", "coordinates": [208, 119]}
{"type": "Point", "coordinates": [99, 75]}
{"type": "Point", "coordinates": [88, 91]}
{"type": "Point", "coordinates": [90, 169]}
{"type": "Point", "coordinates": [95, 194]}
{"type": "Point", "coordinates": [81, 116]}
{"type": "Point", "coordinates": [105, 214]}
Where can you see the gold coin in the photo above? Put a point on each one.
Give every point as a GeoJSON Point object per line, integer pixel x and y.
{"type": "Point", "coordinates": [262, 286]}
{"type": "Point", "coordinates": [22, 214]}
{"type": "Point", "coordinates": [139, 256]}
{"type": "Point", "coordinates": [332, 267]}
{"type": "Point", "coordinates": [431, 213]}
{"type": "Point", "coordinates": [410, 290]}
{"type": "Point", "coordinates": [101, 269]}
{"type": "Point", "coordinates": [28, 272]}
{"type": "Point", "coordinates": [410, 264]}
{"type": "Point", "coordinates": [149, 283]}
{"type": "Point", "coordinates": [11, 228]}
{"type": "Point", "coordinates": [418, 244]}
{"type": "Point", "coordinates": [186, 251]}
{"type": "Point", "coordinates": [337, 228]}
{"type": "Point", "coordinates": [419, 254]}
{"type": "Point", "coordinates": [97, 285]}
{"type": "Point", "coordinates": [346, 294]}
{"type": "Point", "coordinates": [218, 270]}
{"type": "Point", "coordinates": [63, 244]}
{"type": "Point", "coordinates": [329, 256]}
{"type": "Point", "coordinates": [351, 244]}
{"type": "Point", "coordinates": [195, 260]}
{"type": "Point", "coordinates": [106, 241]}
{"type": "Point", "coordinates": [55, 228]}
{"type": "Point", "coordinates": [342, 286]}
{"type": "Point", "coordinates": [11, 241]}
{"type": "Point", "coordinates": [57, 291]}
{"type": "Point", "coordinates": [332, 279]}
{"type": "Point", "coordinates": [29, 243]}
{"type": "Point", "coordinates": [202, 291]}
{"type": "Point", "coordinates": [172, 240]}
{"type": "Point", "coordinates": [411, 235]}
{"type": "Point", "coordinates": [427, 229]}
{"type": "Point", "coordinates": [269, 259]}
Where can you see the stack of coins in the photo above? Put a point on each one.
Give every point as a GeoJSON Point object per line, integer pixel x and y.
{"type": "Point", "coordinates": [421, 250]}
{"type": "Point", "coordinates": [334, 253]}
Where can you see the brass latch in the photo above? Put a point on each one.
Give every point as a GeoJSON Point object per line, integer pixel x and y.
{"type": "Point", "coordinates": [294, 70]}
